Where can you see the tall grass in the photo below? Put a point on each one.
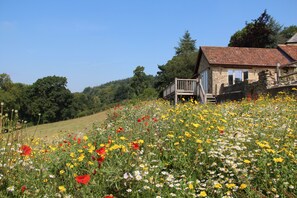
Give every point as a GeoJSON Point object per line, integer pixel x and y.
{"type": "Point", "coordinates": [152, 149]}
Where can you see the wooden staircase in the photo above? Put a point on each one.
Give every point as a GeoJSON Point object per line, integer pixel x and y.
{"type": "Point", "coordinates": [210, 99]}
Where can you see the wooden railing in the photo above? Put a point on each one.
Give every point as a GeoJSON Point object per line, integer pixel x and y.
{"type": "Point", "coordinates": [180, 87]}
{"type": "Point", "coordinates": [186, 85]}
{"type": "Point", "coordinates": [201, 92]}
{"type": "Point", "coordinates": [169, 90]}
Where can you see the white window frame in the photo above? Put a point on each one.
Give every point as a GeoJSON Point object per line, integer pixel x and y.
{"type": "Point", "coordinates": [242, 71]}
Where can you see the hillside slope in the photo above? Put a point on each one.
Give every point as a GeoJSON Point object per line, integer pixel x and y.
{"type": "Point", "coordinates": [51, 130]}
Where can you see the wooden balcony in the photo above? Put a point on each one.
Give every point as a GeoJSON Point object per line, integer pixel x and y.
{"type": "Point", "coordinates": [184, 87]}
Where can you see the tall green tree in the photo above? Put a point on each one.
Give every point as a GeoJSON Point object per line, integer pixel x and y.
{"type": "Point", "coordinates": [181, 65]}
{"type": "Point", "coordinates": [139, 81]}
{"type": "Point", "coordinates": [50, 97]}
{"type": "Point", "coordinates": [5, 82]}
{"type": "Point", "coordinates": [260, 33]}
{"type": "Point", "coordinates": [186, 45]}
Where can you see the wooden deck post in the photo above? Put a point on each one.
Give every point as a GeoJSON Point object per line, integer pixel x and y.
{"type": "Point", "coordinates": [277, 72]}
{"type": "Point", "coordinates": [175, 91]}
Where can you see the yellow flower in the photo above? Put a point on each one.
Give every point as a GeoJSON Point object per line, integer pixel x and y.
{"type": "Point", "coordinates": [81, 157]}
{"type": "Point", "coordinates": [276, 160]}
{"type": "Point", "coordinates": [191, 187]}
{"type": "Point", "coordinates": [140, 141]}
{"type": "Point", "coordinates": [80, 150]}
{"type": "Point", "coordinates": [52, 148]}
{"type": "Point", "coordinates": [91, 149]}
{"type": "Point", "coordinates": [90, 163]}
{"type": "Point", "coordinates": [62, 172]}
{"type": "Point", "coordinates": [218, 185]}
{"type": "Point", "coordinates": [85, 138]}
{"type": "Point", "coordinates": [123, 138]}
{"type": "Point", "coordinates": [199, 141]}
{"type": "Point", "coordinates": [247, 161]}
{"type": "Point", "coordinates": [202, 194]}
{"type": "Point", "coordinates": [62, 189]}
{"type": "Point", "coordinates": [230, 185]}
{"type": "Point", "coordinates": [270, 150]}
{"type": "Point", "coordinates": [176, 143]}
{"type": "Point", "coordinates": [242, 186]}
{"type": "Point", "coordinates": [187, 134]}
{"type": "Point", "coordinates": [170, 136]}
{"type": "Point", "coordinates": [72, 155]}
{"type": "Point", "coordinates": [195, 125]}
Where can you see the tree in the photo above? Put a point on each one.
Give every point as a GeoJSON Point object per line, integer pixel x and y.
{"type": "Point", "coordinates": [186, 45]}
{"type": "Point", "coordinates": [178, 67]}
{"type": "Point", "coordinates": [287, 33]}
{"type": "Point", "coordinates": [5, 82]}
{"type": "Point", "coordinates": [181, 65]}
{"type": "Point", "coordinates": [139, 81]}
{"type": "Point", "coordinates": [261, 32]}
{"type": "Point", "coordinates": [50, 97]}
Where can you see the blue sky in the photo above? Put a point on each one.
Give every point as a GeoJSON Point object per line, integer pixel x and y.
{"type": "Point", "coordinates": [92, 42]}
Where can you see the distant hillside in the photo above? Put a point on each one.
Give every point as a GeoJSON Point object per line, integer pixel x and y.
{"type": "Point", "coordinates": [110, 93]}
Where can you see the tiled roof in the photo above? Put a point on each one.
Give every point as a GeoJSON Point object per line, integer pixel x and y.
{"type": "Point", "coordinates": [242, 56]}
{"type": "Point", "coordinates": [290, 50]}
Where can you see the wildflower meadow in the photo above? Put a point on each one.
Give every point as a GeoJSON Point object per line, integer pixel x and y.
{"type": "Point", "coordinates": [153, 149]}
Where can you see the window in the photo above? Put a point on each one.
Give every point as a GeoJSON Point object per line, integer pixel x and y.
{"type": "Point", "coordinates": [236, 76]}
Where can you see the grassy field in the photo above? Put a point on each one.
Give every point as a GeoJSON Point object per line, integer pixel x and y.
{"type": "Point", "coordinates": [52, 131]}
{"type": "Point", "coordinates": [151, 149]}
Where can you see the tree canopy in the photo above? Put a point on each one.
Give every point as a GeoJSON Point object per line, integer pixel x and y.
{"type": "Point", "coordinates": [50, 97]}
{"type": "Point", "coordinates": [181, 65]}
{"type": "Point", "coordinates": [186, 45]}
{"type": "Point", "coordinates": [261, 32]}
{"type": "Point", "coordinates": [287, 33]}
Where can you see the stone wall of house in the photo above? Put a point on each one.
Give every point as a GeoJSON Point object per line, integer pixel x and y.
{"type": "Point", "coordinates": [249, 88]}
{"type": "Point", "coordinates": [219, 77]}
{"type": "Point", "coordinates": [266, 80]}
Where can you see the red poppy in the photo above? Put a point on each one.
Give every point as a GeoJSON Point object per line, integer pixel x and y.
{"type": "Point", "coordinates": [78, 141]}
{"type": "Point", "coordinates": [135, 145]}
{"type": "Point", "coordinates": [23, 188]}
{"type": "Point", "coordinates": [139, 120]}
{"type": "Point", "coordinates": [108, 196]}
{"type": "Point", "coordinates": [120, 129]}
{"type": "Point", "coordinates": [100, 160]}
{"type": "Point", "coordinates": [101, 151]}
{"type": "Point", "coordinates": [83, 179]}
{"type": "Point", "coordinates": [221, 132]}
{"type": "Point", "coordinates": [26, 150]}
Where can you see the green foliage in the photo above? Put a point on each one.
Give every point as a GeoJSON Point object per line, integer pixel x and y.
{"type": "Point", "coordinates": [186, 45]}
{"type": "Point", "coordinates": [141, 83]}
{"type": "Point", "coordinates": [5, 82]}
{"type": "Point", "coordinates": [181, 66]}
{"type": "Point", "coordinates": [261, 33]}
{"type": "Point", "coordinates": [287, 33]}
{"type": "Point", "coordinates": [50, 97]}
